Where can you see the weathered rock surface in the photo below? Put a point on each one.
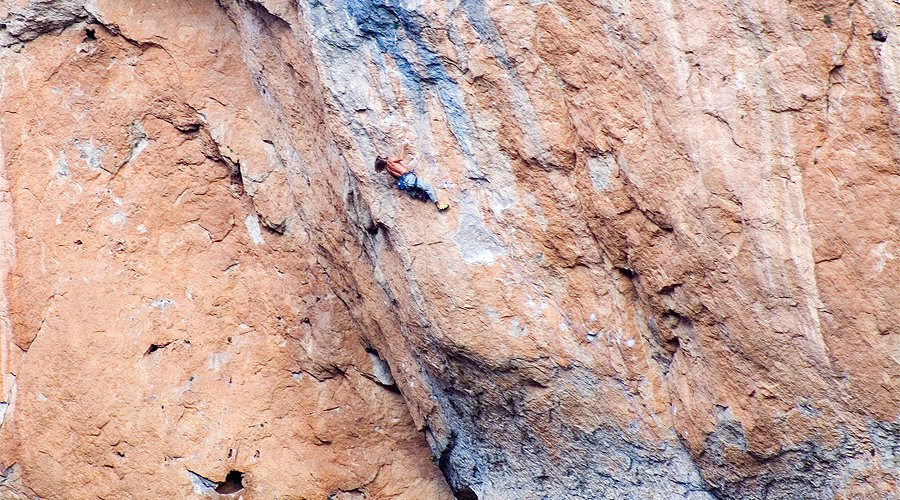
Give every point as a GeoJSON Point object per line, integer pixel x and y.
{"type": "Point", "coordinates": [161, 333]}
{"type": "Point", "coordinates": [669, 270]}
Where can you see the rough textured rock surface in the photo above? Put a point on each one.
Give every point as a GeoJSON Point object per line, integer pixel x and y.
{"type": "Point", "coordinates": [161, 331]}
{"type": "Point", "coordinates": [670, 269]}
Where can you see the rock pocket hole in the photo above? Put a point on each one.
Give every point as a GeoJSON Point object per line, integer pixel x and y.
{"type": "Point", "coordinates": [155, 347]}
{"type": "Point", "coordinates": [375, 227]}
{"type": "Point", "coordinates": [233, 483]}
{"type": "Point", "coordinates": [673, 345]}
{"type": "Point", "coordinates": [90, 33]}
{"type": "Point", "coordinates": [465, 493]}
{"type": "Point", "coordinates": [627, 273]}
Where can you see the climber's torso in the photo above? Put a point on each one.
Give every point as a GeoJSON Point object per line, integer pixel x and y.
{"type": "Point", "coordinates": [396, 168]}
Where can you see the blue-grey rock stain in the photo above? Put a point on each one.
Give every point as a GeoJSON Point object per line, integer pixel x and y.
{"type": "Point", "coordinates": [387, 25]}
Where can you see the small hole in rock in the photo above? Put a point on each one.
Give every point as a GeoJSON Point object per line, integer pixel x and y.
{"type": "Point", "coordinates": [230, 452]}
{"type": "Point", "coordinates": [90, 33]}
{"type": "Point", "coordinates": [191, 379]}
{"type": "Point", "coordinates": [234, 482]}
{"type": "Point", "coordinates": [79, 242]}
{"type": "Point", "coordinates": [626, 272]}
{"type": "Point", "coordinates": [229, 340]}
{"type": "Point", "coordinates": [153, 348]}
{"type": "Point", "coordinates": [673, 345]}
{"type": "Point", "coordinates": [375, 227]}
{"type": "Point", "coordinates": [465, 493]}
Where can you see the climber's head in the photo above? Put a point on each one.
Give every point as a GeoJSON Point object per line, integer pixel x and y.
{"type": "Point", "coordinates": [380, 164]}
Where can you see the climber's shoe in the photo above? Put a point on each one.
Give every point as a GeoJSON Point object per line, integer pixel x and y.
{"type": "Point", "coordinates": [442, 206]}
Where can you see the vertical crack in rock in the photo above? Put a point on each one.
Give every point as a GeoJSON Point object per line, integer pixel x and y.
{"type": "Point", "coordinates": [137, 142]}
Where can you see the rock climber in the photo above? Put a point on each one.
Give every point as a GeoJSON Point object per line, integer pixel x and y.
{"type": "Point", "coordinates": [407, 180]}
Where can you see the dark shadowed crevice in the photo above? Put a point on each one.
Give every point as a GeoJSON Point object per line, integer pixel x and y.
{"type": "Point", "coordinates": [465, 493]}
{"type": "Point", "coordinates": [155, 347]}
{"type": "Point", "coordinates": [234, 482]}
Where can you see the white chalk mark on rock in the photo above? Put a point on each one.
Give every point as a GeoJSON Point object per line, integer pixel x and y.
{"type": "Point", "coordinates": [117, 219]}
{"type": "Point", "coordinates": [91, 154]}
{"type": "Point", "coordinates": [601, 169]}
{"type": "Point", "coordinates": [254, 230]}
{"type": "Point", "coordinates": [162, 303]}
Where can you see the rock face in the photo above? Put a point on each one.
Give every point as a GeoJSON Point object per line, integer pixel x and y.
{"type": "Point", "coordinates": [669, 270]}
{"type": "Point", "coordinates": [169, 320]}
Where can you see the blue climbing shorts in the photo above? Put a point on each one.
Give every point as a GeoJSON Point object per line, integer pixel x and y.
{"type": "Point", "coordinates": [410, 182]}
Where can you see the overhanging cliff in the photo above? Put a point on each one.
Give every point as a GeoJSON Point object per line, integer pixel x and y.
{"type": "Point", "coordinates": [668, 270]}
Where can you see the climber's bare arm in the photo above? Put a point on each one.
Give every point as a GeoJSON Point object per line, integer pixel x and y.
{"type": "Point", "coordinates": [402, 156]}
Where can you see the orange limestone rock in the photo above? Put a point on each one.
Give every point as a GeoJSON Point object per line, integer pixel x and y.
{"type": "Point", "coordinates": [670, 267]}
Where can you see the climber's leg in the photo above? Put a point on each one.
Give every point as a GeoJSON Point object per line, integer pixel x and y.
{"type": "Point", "coordinates": [415, 186]}
{"type": "Point", "coordinates": [426, 188]}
